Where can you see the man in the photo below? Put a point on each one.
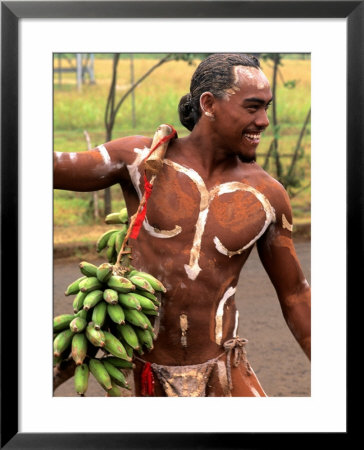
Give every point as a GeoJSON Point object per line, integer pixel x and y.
{"type": "Point", "coordinates": [210, 204]}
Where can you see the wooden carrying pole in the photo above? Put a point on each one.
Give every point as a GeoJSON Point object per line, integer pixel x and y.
{"type": "Point", "coordinates": [154, 162]}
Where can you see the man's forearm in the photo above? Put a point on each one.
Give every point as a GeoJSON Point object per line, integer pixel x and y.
{"type": "Point", "coordinates": [297, 312]}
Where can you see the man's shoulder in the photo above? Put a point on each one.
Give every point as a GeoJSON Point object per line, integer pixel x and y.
{"type": "Point", "coordinates": [128, 148]}
{"type": "Point", "coordinates": [263, 178]}
{"type": "Point", "coordinates": [270, 187]}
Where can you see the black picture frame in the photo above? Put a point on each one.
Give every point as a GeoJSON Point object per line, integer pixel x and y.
{"type": "Point", "coordinates": [11, 12]}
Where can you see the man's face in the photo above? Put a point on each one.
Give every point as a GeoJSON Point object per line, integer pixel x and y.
{"type": "Point", "coordinates": [241, 116]}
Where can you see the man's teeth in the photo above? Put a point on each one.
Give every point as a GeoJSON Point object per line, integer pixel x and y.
{"type": "Point", "coordinates": [252, 136]}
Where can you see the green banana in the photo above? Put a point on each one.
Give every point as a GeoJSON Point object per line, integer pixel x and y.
{"type": "Point", "coordinates": [62, 322]}
{"type": "Point", "coordinates": [79, 348]}
{"type": "Point", "coordinates": [78, 324]}
{"type": "Point", "coordinates": [155, 283]}
{"type": "Point", "coordinates": [132, 272]}
{"type": "Point", "coordinates": [111, 255]}
{"type": "Point", "coordinates": [89, 284]}
{"type": "Point", "coordinates": [119, 241]}
{"type": "Point", "coordinates": [82, 313]}
{"type": "Point", "coordinates": [81, 378]}
{"type": "Point", "coordinates": [99, 315]}
{"type": "Point", "coordinates": [74, 288]}
{"type": "Point", "coordinates": [145, 318]}
{"type": "Point", "coordinates": [150, 312]}
{"type": "Point", "coordinates": [96, 337]}
{"type": "Point", "coordinates": [123, 215]}
{"type": "Point", "coordinates": [129, 335]}
{"type": "Point", "coordinates": [114, 391]}
{"type": "Point", "coordinates": [145, 302]}
{"type": "Point", "coordinates": [112, 218]}
{"type": "Point", "coordinates": [142, 283]}
{"type": "Point", "coordinates": [116, 313]}
{"type": "Point", "coordinates": [78, 301]}
{"type": "Point", "coordinates": [129, 350]}
{"type": "Point", "coordinates": [100, 373]}
{"type": "Point", "coordinates": [111, 252]}
{"type": "Point", "coordinates": [104, 272]}
{"type": "Point", "coordinates": [120, 363]}
{"type": "Point", "coordinates": [62, 341]}
{"type": "Point", "coordinates": [129, 301]}
{"type": "Point", "coordinates": [115, 347]}
{"type": "Point", "coordinates": [145, 337]}
{"type": "Point", "coordinates": [102, 241]}
{"type": "Point", "coordinates": [115, 374]}
{"type": "Point", "coordinates": [92, 299]}
{"type": "Point", "coordinates": [152, 297]}
{"type": "Point", "coordinates": [120, 284]}
{"type": "Point", "coordinates": [88, 269]}
{"type": "Point", "coordinates": [136, 318]}
{"type": "Point", "coordinates": [111, 296]}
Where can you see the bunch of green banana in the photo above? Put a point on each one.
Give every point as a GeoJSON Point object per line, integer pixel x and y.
{"type": "Point", "coordinates": [113, 239]}
{"type": "Point", "coordinates": [110, 312]}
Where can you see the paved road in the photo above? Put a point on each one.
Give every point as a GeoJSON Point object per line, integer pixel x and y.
{"type": "Point", "coordinates": [276, 358]}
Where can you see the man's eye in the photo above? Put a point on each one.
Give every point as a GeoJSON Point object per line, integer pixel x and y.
{"type": "Point", "coordinates": [268, 106]}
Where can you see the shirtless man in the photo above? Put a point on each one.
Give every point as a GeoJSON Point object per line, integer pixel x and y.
{"type": "Point", "coordinates": [210, 204]}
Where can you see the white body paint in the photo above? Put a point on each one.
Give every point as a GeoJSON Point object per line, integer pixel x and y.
{"type": "Point", "coordinates": [255, 392]}
{"type": "Point", "coordinates": [133, 169]}
{"type": "Point", "coordinates": [286, 224]}
{"type": "Point", "coordinates": [220, 313]}
{"type": "Point", "coordinates": [222, 374]}
{"type": "Point", "coordinates": [253, 74]}
{"type": "Point", "coordinates": [268, 209]}
{"type": "Point", "coordinates": [161, 233]}
{"type": "Point", "coordinates": [105, 154]}
{"type": "Point", "coordinates": [236, 324]}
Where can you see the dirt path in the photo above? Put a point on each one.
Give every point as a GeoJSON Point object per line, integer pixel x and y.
{"type": "Point", "coordinates": [277, 360]}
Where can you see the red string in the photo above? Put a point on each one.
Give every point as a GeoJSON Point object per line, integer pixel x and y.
{"type": "Point", "coordinates": [148, 188]}
{"type": "Point", "coordinates": [141, 215]}
{"type": "Point", "coordinates": [147, 380]}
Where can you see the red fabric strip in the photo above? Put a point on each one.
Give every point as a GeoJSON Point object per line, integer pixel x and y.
{"type": "Point", "coordinates": [147, 380]}
{"type": "Point", "coordinates": [141, 216]}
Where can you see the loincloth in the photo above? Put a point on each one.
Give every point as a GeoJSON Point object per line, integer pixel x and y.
{"type": "Point", "coordinates": [191, 380]}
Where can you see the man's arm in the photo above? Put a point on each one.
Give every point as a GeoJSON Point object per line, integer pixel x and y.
{"type": "Point", "coordinates": [98, 168]}
{"type": "Point", "coordinates": [278, 255]}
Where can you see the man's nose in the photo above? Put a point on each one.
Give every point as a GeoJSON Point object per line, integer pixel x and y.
{"type": "Point", "coordinates": [261, 119]}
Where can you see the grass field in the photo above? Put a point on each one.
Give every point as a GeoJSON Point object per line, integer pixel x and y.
{"type": "Point", "coordinates": [156, 101]}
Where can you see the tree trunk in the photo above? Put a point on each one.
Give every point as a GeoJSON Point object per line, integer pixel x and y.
{"type": "Point", "coordinates": [274, 118]}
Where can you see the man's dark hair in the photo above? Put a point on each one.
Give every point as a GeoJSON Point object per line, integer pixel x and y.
{"type": "Point", "coordinates": [214, 74]}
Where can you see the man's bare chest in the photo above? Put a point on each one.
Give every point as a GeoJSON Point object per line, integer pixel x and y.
{"type": "Point", "coordinates": [228, 215]}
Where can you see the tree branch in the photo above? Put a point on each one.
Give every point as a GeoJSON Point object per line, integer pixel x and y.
{"type": "Point", "coordinates": [298, 145]}
{"type": "Point", "coordinates": [142, 78]}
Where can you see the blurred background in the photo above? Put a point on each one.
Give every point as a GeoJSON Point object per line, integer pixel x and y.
{"type": "Point", "coordinates": [99, 97]}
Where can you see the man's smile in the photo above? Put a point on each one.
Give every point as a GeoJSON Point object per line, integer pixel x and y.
{"type": "Point", "coordinates": [252, 137]}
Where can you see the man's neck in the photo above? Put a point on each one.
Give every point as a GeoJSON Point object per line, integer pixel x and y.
{"type": "Point", "coordinates": [203, 150]}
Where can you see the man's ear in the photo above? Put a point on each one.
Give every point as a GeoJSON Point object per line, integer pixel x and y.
{"type": "Point", "coordinates": [207, 103]}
